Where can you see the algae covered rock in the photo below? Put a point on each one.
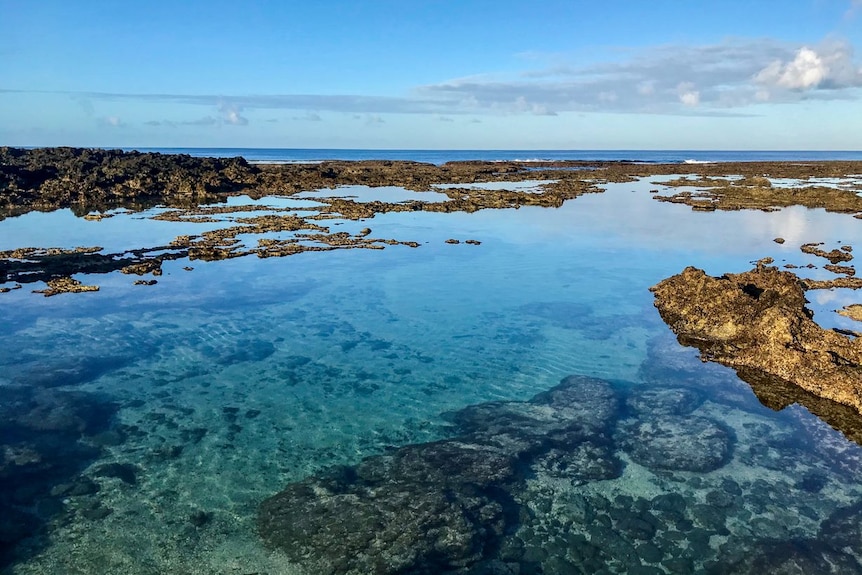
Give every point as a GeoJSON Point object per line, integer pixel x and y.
{"type": "Point", "coordinates": [676, 443]}
{"type": "Point", "coordinates": [663, 400]}
{"type": "Point", "coordinates": [375, 527]}
{"type": "Point", "coordinates": [757, 321]}
{"type": "Point", "coordinates": [797, 557]}
{"type": "Point", "coordinates": [444, 506]}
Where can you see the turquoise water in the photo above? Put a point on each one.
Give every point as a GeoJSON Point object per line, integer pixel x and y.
{"type": "Point", "coordinates": [146, 424]}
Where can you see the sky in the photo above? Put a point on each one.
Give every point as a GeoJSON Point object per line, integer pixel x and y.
{"type": "Point", "coordinates": [426, 74]}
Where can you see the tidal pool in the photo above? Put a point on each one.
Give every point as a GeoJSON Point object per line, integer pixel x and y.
{"type": "Point", "coordinates": [142, 426]}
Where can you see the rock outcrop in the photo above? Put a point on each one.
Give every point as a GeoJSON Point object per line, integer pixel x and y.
{"type": "Point", "coordinates": [757, 323]}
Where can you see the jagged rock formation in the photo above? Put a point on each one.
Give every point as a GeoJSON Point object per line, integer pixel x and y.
{"type": "Point", "coordinates": [757, 322]}
{"type": "Point", "coordinates": [87, 179]}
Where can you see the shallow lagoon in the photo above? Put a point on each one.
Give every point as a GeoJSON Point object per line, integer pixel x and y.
{"type": "Point", "coordinates": [232, 380]}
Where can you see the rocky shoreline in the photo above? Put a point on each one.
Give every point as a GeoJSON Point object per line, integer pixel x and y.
{"type": "Point", "coordinates": [757, 322]}
{"type": "Point", "coordinates": [94, 182]}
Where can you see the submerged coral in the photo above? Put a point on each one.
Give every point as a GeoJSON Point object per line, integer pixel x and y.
{"type": "Point", "coordinates": [441, 506]}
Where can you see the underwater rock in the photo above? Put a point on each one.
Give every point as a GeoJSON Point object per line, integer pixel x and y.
{"type": "Point", "coordinates": [676, 443]}
{"type": "Point", "coordinates": [794, 558]}
{"type": "Point", "coordinates": [843, 528]}
{"type": "Point", "coordinates": [43, 447]}
{"type": "Point", "coordinates": [58, 371]}
{"type": "Point", "coordinates": [200, 518]}
{"type": "Point", "coordinates": [95, 512]}
{"type": "Point", "coordinates": [663, 400]}
{"type": "Point", "coordinates": [671, 505]}
{"type": "Point", "coordinates": [125, 472]}
{"type": "Point", "coordinates": [757, 321]}
{"type": "Point", "coordinates": [15, 525]}
{"type": "Point", "coordinates": [28, 412]}
{"type": "Point", "coordinates": [576, 410]}
{"type": "Point", "coordinates": [445, 505]}
{"type": "Point", "coordinates": [351, 524]}
{"type": "Point", "coordinates": [59, 411]}
{"type": "Point", "coordinates": [80, 486]}
{"type": "Point", "coordinates": [587, 462]}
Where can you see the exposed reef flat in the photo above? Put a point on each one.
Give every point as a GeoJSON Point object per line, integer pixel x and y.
{"type": "Point", "coordinates": [93, 182]}
{"type": "Point", "coordinates": [756, 192]}
{"type": "Point", "coordinates": [757, 322]}
{"type": "Point", "coordinates": [96, 180]}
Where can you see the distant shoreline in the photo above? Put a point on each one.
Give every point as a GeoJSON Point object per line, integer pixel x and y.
{"type": "Point", "coordinates": [93, 179]}
{"type": "Point", "coordinates": [440, 156]}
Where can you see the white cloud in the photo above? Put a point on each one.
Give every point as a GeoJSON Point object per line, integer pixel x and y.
{"type": "Point", "coordinates": [521, 104]}
{"type": "Point", "coordinates": [688, 96]}
{"type": "Point", "coordinates": [806, 70]}
{"type": "Point", "coordinates": [231, 114]}
{"type": "Point", "coordinates": [830, 66]}
{"type": "Point", "coordinates": [691, 98]}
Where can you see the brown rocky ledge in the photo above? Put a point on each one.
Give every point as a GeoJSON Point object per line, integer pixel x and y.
{"type": "Point", "coordinates": [92, 182]}
{"type": "Point", "coordinates": [756, 322]}
{"type": "Point", "coordinates": [755, 192]}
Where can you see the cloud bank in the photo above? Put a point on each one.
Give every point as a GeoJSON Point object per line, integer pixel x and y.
{"type": "Point", "coordinates": [732, 77]}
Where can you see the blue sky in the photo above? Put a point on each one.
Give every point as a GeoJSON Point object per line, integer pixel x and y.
{"type": "Point", "coordinates": [665, 74]}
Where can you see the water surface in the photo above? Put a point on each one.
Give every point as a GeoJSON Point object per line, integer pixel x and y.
{"type": "Point", "coordinates": [200, 396]}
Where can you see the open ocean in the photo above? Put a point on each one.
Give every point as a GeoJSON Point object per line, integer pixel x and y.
{"type": "Point", "coordinates": [442, 156]}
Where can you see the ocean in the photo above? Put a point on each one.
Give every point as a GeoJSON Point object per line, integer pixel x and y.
{"type": "Point", "coordinates": [145, 428]}
{"type": "Point", "coordinates": [442, 156]}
